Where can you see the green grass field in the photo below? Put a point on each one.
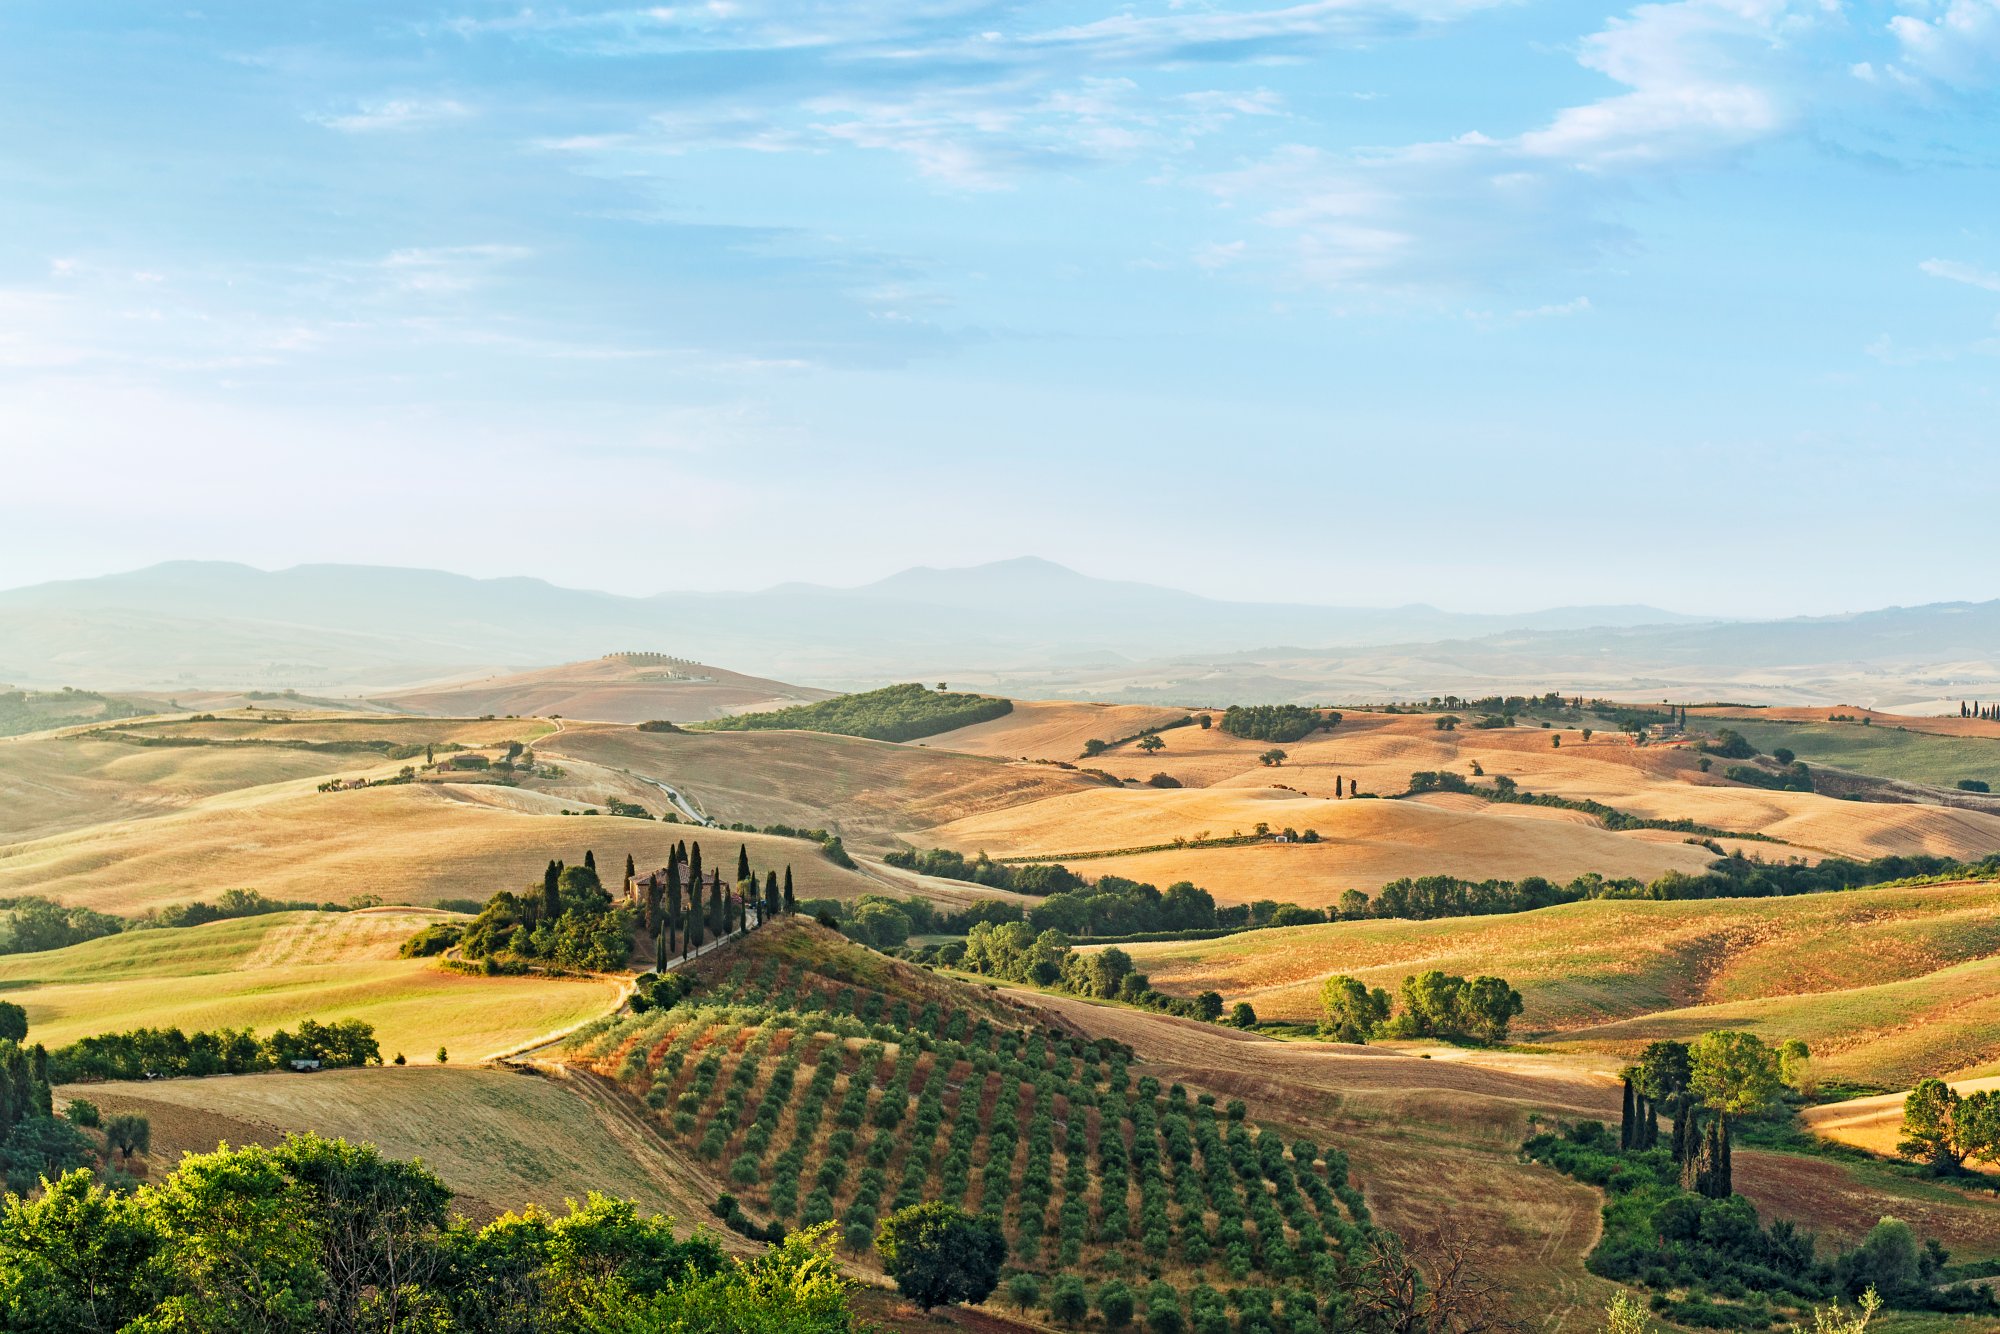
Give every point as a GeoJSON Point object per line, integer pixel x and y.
{"type": "Point", "coordinates": [272, 971]}
{"type": "Point", "coordinates": [1881, 752]}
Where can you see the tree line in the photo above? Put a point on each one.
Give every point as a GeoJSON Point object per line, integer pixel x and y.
{"type": "Point", "coordinates": [153, 1053]}
{"type": "Point", "coordinates": [1015, 951]}
{"type": "Point", "coordinates": [35, 923]}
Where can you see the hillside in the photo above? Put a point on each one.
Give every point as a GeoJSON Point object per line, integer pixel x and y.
{"type": "Point", "coordinates": [1887, 985]}
{"type": "Point", "coordinates": [892, 713]}
{"type": "Point", "coordinates": [874, 794]}
{"type": "Point", "coordinates": [272, 971]}
{"type": "Point", "coordinates": [816, 1080]}
{"type": "Point", "coordinates": [617, 688]}
{"type": "Point", "coordinates": [499, 1138]}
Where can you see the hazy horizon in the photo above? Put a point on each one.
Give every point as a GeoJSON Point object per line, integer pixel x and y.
{"type": "Point", "coordinates": [1688, 303]}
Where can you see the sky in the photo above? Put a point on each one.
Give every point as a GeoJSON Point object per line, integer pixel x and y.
{"type": "Point", "coordinates": [1492, 305]}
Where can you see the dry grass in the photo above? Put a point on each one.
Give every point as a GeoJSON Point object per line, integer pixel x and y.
{"type": "Point", "coordinates": [871, 792]}
{"type": "Point", "coordinates": [1051, 730]}
{"type": "Point", "coordinates": [499, 1138]}
{"type": "Point", "coordinates": [610, 689]}
{"type": "Point", "coordinates": [272, 971]}
{"type": "Point", "coordinates": [1363, 844]}
{"type": "Point", "coordinates": [1881, 982]}
{"type": "Point", "coordinates": [1874, 1124]}
{"type": "Point", "coordinates": [412, 844]}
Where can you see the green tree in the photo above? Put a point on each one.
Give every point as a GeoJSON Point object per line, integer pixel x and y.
{"type": "Point", "coordinates": [1115, 1303]}
{"type": "Point", "coordinates": [1150, 744]}
{"type": "Point", "coordinates": [128, 1134]}
{"type": "Point", "coordinates": [1796, 1069]}
{"type": "Point", "coordinates": [13, 1022]}
{"type": "Point", "coordinates": [1931, 1131]}
{"type": "Point", "coordinates": [1163, 1310]}
{"type": "Point", "coordinates": [375, 1219]}
{"type": "Point", "coordinates": [1272, 757]}
{"type": "Point", "coordinates": [1068, 1303]}
{"type": "Point", "coordinates": [1243, 1015]}
{"type": "Point", "coordinates": [241, 1244]}
{"type": "Point", "coordinates": [1209, 1005]}
{"type": "Point", "coordinates": [1024, 1290]}
{"type": "Point", "coordinates": [940, 1255]}
{"type": "Point", "coordinates": [1487, 1006]}
{"type": "Point", "coordinates": [1625, 1316]}
{"type": "Point", "coordinates": [1978, 1124]}
{"type": "Point", "coordinates": [1349, 1011]}
{"type": "Point", "coordinates": [76, 1259]}
{"type": "Point", "coordinates": [1733, 1074]}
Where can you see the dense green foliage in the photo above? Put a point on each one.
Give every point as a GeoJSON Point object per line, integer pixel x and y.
{"type": "Point", "coordinates": [1016, 952]}
{"type": "Point", "coordinates": [145, 1053]}
{"type": "Point", "coordinates": [317, 1235]}
{"type": "Point", "coordinates": [33, 1141]}
{"type": "Point", "coordinates": [1276, 722]}
{"type": "Point", "coordinates": [1431, 1004]}
{"type": "Point", "coordinates": [569, 922]}
{"type": "Point", "coordinates": [940, 1255]}
{"type": "Point", "coordinates": [893, 713]}
{"type": "Point", "coordinates": [1727, 1270]}
{"type": "Point", "coordinates": [1110, 907]}
{"type": "Point", "coordinates": [1792, 777]}
{"type": "Point", "coordinates": [1032, 878]}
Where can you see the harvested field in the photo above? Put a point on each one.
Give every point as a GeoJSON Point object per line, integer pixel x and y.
{"type": "Point", "coordinates": [499, 1138]}
{"type": "Point", "coordinates": [1363, 844]}
{"type": "Point", "coordinates": [272, 971]}
{"type": "Point", "coordinates": [412, 844]}
{"type": "Point", "coordinates": [873, 793]}
{"type": "Point", "coordinates": [1052, 730]}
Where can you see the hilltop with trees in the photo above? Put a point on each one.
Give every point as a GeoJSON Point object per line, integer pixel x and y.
{"type": "Point", "coordinates": [893, 713]}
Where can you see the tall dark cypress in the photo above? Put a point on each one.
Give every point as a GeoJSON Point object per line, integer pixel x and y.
{"type": "Point", "coordinates": [717, 921]}
{"type": "Point", "coordinates": [791, 904]}
{"type": "Point", "coordinates": [673, 904]}
{"type": "Point", "coordinates": [742, 862]}
{"type": "Point", "coordinates": [552, 892]}
{"type": "Point", "coordinates": [694, 937]}
{"type": "Point", "coordinates": [694, 869]}
{"type": "Point", "coordinates": [660, 953]}
{"type": "Point", "coordinates": [771, 900]}
{"type": "Point", "coordinates": [1628, 1119]}
{"type": "Point", "coordinates": [631, 867]}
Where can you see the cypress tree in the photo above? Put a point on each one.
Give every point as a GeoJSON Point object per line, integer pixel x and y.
{"type": "Point", "coordinates": [551, 893]}
{"type": "Point", "coordinates": [791, 904]}
{"type": "Point", "coordinates": [673, 904]}
{"type": "Point", "coordinates": [590, 859]}
{"type": "Point", "coordinates": [718, 916]}
{"type": "Point", "coordinates": [631, 867]}
{"type": "Point", "coordinates": [742, 862]}
{"type": "Point", "coordinates": [1628, 1119]}
{"type": "Point", "coordinates": [771, 900]}
{"type": "Point", "coordinates": [694, 870]}
{"type": "Point", "coordinates": [660, 953]}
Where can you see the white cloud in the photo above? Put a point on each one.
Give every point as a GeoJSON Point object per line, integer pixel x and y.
{"type": "Point", "coordinates": [1953, 271]}
{"type": "Point", "coordinates": [1957, 45]}
{"type": "Point", "coordinates": [393, 114]}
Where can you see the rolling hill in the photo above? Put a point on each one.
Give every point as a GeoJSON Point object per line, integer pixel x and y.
{"type": "Point", "coordinates": [272, 971]}
{"type": "Point", "coordinates": [617, 688]}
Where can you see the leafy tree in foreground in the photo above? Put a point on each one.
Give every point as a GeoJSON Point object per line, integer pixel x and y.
{"type": "Point", "coordinates": [13, 1022]}
{"type": "Point", "coordinates": [940, 1255]}
{"type": "Point", "coordinates": [1067, 1303]}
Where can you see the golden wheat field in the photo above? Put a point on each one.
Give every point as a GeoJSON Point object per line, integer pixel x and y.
{"type": "Point", "coordinates": [1886, 984]}
{"type": "Point", "coordinates": [272, 971]}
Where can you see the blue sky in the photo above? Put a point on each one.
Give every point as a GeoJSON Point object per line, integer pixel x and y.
{"type": "Point", "coordinates": [1488, 304]}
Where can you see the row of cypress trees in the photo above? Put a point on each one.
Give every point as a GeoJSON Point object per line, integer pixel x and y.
{"type": "Point", "coordinates": [683, 928]}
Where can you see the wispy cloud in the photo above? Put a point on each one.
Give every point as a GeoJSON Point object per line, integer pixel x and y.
{"type": "Point", "coordinates": [1954, 271]}
{"type": "Point", "coordinates": [393, 114]}
{"type": "Point", "coordinates": [1957, 43]}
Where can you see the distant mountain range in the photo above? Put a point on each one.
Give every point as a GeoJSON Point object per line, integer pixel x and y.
{"type": "Point", "coordinates": [366, 628]}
